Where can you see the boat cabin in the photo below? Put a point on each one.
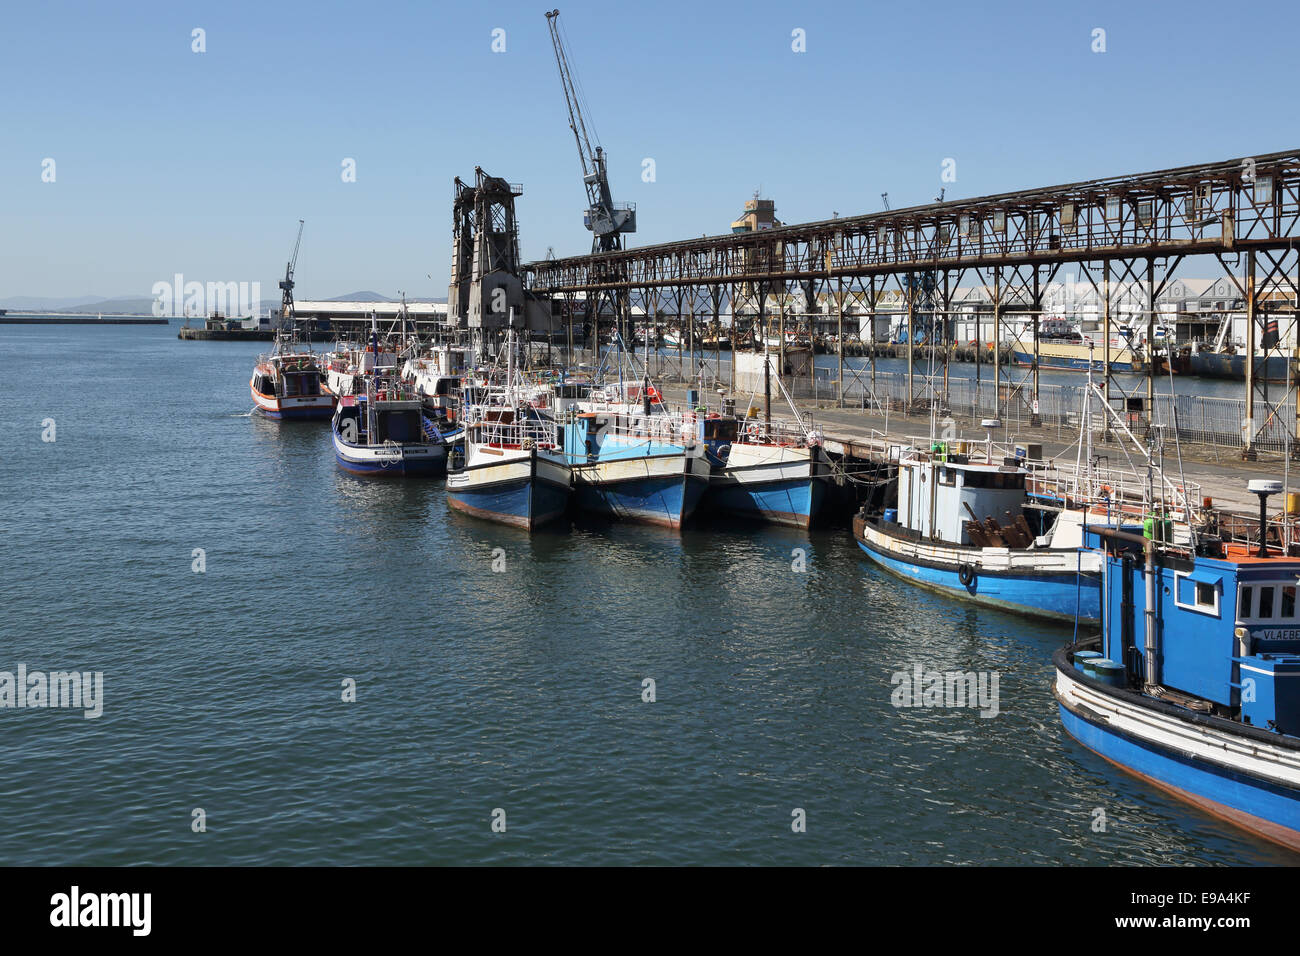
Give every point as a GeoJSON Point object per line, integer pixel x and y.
{"type": "Point", "coordinates": [940, 496]}
{"type": "Point", "coordinates": [1227, 629]}
{"type": "Point", "coordinates": [399, 422]}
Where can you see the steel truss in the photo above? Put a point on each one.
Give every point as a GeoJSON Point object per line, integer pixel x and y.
{"type": "Point", "coordinates": [1123, 232]}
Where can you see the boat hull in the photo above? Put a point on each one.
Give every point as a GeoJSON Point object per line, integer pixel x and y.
{"type": "Point", "coordinates": [1245, 778]}
{"type": "Point", "coordinates": [1079, 363]}
{"type": "Point", "coordinates": [524, 491]}
{"type": "Point", "coordinates": [662, 490]}
{"type": "Point", "coordinates": [397, 461]}
{"type": "Point", "coordinates": [304, 407]}
{"type": "Point", "coordinates": [1221, 365]}
{"type": "Point", "coordinates": [780, 484]}
{"type": "Point", "coordinates": [1058, 584]}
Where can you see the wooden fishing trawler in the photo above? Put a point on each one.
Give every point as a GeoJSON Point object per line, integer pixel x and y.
{"type": "Point", "coordinates": [639, 465]}
{"type": "Point", "coordinates": [510, 467]}
{"type": "Point", "coordinates": [633, 457]}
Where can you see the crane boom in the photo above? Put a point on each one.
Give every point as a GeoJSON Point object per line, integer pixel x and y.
{"type": "Point", "coordinates": [606, 219]}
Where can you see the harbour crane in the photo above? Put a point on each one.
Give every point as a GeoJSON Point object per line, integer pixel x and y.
{"type": "Point", "coordinates": [286, 286]}
{"type": "Point", "coordinates": [606, 219]}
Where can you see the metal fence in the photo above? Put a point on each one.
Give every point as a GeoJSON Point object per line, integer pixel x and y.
{"type": "Point", "coordinates": [1196, 419]}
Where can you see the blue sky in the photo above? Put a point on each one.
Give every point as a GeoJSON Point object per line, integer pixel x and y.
{"type": "Point", "coordinates": [172, 161]}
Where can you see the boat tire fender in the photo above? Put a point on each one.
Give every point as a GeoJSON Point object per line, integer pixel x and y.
{"type": "Point", "coordinates": [966, 574]}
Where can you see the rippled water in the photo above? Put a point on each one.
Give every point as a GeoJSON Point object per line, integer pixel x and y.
{"type": "Point", "coordinates": [480, 690]}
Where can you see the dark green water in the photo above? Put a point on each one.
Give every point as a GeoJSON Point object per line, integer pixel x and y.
{"type": "Point", "coordinates": [476, 689]}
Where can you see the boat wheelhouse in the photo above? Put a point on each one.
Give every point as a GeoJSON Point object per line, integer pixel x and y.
{"type": "Point", "coordinates": [437, 378]}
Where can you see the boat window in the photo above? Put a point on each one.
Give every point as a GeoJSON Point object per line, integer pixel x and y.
{"type": "Point", "coordinates": [1243, 602]}
{"type": "Point", "coordinates": [1288, 602]}
{"type": "Point", "coordinates": [1265, 602]}
{"type": "Point", "coordinates": [1197, 592]}
{"type": "Point", "coordinates": [994, 479]}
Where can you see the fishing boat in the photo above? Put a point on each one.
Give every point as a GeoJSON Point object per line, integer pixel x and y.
{"type": "Point", "coordinates": [1192, 682]}
{"type": "Point", "coordinates": [633, 456]}
{"type": "Point", "coordinates": [437, 377]}
{"type": "Point", "coordinates": [643, 464]}
{"type": "Point", "coordinates": [773, 471]}
{"type": "Point", "coordinates": [286, 383]}
{"type": "Point", "coordinates": [770, 470]}
{"type": "Point", "coordinates": [1268, 366]}
{"type": "Point", "coordinates": [383, 432]}
{"type": "Point", "coordinates": [510, 467]}
{"type": "Point", "coordinates": [964, 527]}
{"type": "Point", "coordinates": [1060, 346]}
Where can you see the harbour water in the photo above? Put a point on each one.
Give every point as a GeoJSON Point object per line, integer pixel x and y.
{"type": "Point", "coordinates": [493, 670]}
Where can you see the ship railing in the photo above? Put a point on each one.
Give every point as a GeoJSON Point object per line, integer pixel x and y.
{"type": "Point", "coordinates": [514, 434]}
{"type": "Point", "coordinates": [779, 431]}
{"type": "Point", "coordinates": [1279, 531]}
{"type": "Point", "coordinates": [663, 426]}
{"type": "Point", "coordinates": [1117, 490]}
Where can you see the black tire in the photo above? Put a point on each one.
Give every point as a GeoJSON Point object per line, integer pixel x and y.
{"type": "Point", "coordinates": [966, 575]}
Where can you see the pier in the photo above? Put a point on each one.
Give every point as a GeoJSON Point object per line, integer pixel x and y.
{"type": "Point", "coordinates": [73, 318]}
{"type": "Point", "coordinates": [1131, 232]}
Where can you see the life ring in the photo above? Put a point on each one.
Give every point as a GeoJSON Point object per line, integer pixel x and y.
{"type": "Point", "coordinates": [653, 394]}
{"type": "Point", "coordinates": [966, 574]}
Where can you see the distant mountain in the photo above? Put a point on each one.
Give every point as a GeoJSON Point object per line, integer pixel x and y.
{"type": "Point", "coordinates": [41, 303]}
{"type": "Point", "coordinates": [125, 306]}
{"type": "Point", "coordinates": [361, 297]}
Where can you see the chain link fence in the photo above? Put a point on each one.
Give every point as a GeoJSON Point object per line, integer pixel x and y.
{"type": "Point", "coordinates": [1196, 419]}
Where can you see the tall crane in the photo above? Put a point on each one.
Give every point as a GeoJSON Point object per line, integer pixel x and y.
{"type": "Point", "coordinates": [286, 286]}
{"type": "Point", "coordinates": [606, 219]}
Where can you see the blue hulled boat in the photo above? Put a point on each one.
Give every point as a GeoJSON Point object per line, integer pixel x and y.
{"type": "Point", "coordinates": [511, 470]}
{"type": "Point", "coordinates": [1193, 681]}
{"type": "Point", "coordinates": [964, 528]}
{"type": "Point", "coordinates": [640, 464]}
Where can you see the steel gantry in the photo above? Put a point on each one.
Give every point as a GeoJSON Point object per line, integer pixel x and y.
{"type": "Point", "coordinates": [1131, 232]}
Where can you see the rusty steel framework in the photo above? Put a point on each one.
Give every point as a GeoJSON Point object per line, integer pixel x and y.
{"type": "Point", "coordinates": [1134, 230]}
